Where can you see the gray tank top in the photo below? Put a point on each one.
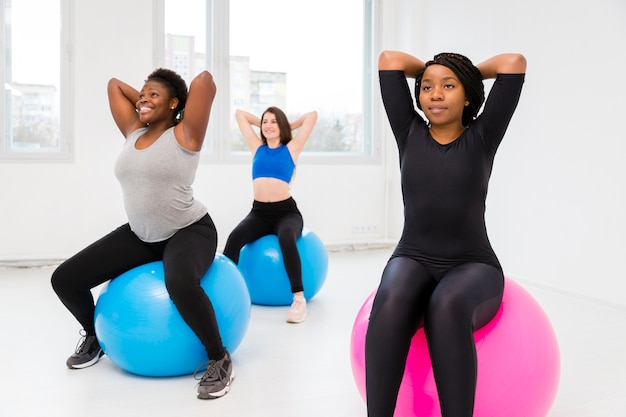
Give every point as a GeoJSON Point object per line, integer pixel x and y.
{"type": "Point", "coordinates": [156, 185]}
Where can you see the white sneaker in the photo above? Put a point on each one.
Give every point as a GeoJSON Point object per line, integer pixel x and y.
{"type": "Point", "coordinates": [297, 311]}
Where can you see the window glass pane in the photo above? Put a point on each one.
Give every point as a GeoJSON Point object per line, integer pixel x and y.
{"type": "Point", "coordinates": [300, 55]}
{"type": "Point", "coordinates": [185, 37]}
{"type": "Point", "coordinates": [32, 75]}
{"type": "Point", "coordinates": [185, 41]}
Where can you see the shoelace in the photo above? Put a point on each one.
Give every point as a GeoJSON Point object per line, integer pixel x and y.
{"type": "Point", "coordinates": [298, 305]}
{"type": "Point", "coordinates": [212, 372]}
{"type": "Point", "coordinates": [81, 346]}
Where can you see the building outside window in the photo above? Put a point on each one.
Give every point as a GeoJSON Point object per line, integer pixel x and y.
{"type": "Point", "coordinates": [33, 96]}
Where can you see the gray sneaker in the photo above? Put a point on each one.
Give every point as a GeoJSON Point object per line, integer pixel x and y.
{"type": "Point", "coordinates": [217, 378]}
{"type": "Point", "coordinates": [88, 352]}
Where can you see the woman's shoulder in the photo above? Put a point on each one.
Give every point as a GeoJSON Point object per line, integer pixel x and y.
{"type": "Point", "coordinates": [136, 133]}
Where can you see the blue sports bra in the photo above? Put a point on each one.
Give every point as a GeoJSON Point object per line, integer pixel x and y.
{"type": "Point", "coordinates": [273, 163]}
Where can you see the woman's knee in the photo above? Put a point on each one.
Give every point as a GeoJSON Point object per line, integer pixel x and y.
{"type": "Point", "coordinates": [57, 280]}
{"type": "Point", "coordinates": [61, 279]}
{"type": "Point", "coordinates": [405, 281]}
{"type": "Point", "coordinates": [451, 305]}
{"type": "Point", "coordinates": [396, 304]}
{"type": "Point", "coordinates": [181, 286]}
{"type": "Point", "coordinates": [472, 297]}
{"type": "Point", "coordinates": [289, 228]}
{"type": "Point", "coordinates": [236, 237]}
{"type": "Point", "coordinates": [184, 273]}
{"type": "Point", "coordinates": [388, 296]}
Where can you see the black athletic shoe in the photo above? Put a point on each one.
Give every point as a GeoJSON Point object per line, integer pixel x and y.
{"type": "Point", "coordinates": [88, 352]}
{"type": "Point", "coordinates": [217, 378]}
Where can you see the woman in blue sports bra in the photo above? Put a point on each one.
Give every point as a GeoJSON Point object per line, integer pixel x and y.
{"type": "Point", "coordinates": [274, 211]}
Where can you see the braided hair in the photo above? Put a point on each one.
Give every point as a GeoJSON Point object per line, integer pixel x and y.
{"type": "Point", "coordinates": [468, 75]}
{"type": "Point", "coordinates": [176, 87]}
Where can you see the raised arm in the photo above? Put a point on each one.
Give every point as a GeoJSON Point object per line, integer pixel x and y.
{"type": "Point", "coordinates": [396, 60]}
{"type": "Point", "coordinates": [246, 121]}
{"type": "Point", "coordinates": [502, 64]}
{"type": "Point", "coordinates": [192, 128]}
{"type": "Point", "coordinates": [123, 103]}
{"type": "Point", "coordinates": [305, 124]}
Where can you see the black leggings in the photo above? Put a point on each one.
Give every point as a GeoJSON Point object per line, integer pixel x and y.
{"type": "Point", "coordinates": [281, 218]}
{"type": "Point", "coordinates": [186, 257]}
{"type": "Point", "coordinates": [450, 308]}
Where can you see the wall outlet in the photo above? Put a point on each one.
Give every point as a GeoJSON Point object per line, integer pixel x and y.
{"type": "Point", "coordinates": [364, 229]}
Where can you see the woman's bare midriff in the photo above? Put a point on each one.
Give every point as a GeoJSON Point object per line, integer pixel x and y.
{"type": "Point", "coordinates": [270, 190]}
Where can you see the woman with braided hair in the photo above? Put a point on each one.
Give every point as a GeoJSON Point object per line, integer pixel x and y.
{"type": "Point", "coordinates": [443, 275]}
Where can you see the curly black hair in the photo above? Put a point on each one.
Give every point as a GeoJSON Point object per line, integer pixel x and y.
{"type": "Point", "coordinates": [176, 87]}
{"type": "Point", "coordinates": [469, 76]}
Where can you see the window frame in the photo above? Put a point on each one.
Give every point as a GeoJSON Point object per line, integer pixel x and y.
{"type": "Point", "coordinates": [218, 63]}
{"type": "Point", "coordinates": [66, 135]}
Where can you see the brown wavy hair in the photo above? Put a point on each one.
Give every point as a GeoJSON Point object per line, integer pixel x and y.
{"type": "Point", "coordinates": [283, 125]}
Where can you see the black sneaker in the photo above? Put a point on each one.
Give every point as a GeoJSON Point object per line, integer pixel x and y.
{"type": "Point", "coordinates": [217, 378]}
{"type": "Point", "coordinates": [88, 352]}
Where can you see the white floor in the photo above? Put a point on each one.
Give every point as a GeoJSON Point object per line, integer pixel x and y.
{"type": "Point", "coordinates": [282, 370]}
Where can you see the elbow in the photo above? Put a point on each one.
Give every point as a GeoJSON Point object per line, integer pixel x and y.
{"type": "Point", "coordinates": [205, 78]}
{"type": "Point", "coordinates": [113, 83]}
{"type": "Point", "coordinates": [242, 116]}
{"type": "Point", "coordinates": [385, 60]}
{"type": "Point", "coordinates": [397, 60]}
{"type": "Point", "coordinates": [384, 54]}
{"type": "Point", "coordinates": [310, 118]}
{"type": "Point", "coordinates": [516, 64]}
{"type": "Point", "coordinates": [205, 75]}
{"type": "Point", "coordinates": [114, 87]}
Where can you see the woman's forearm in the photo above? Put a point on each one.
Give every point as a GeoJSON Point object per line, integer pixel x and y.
{"type": "Point", "coordinates": [502, 64]}
{"type": "Point", "coordinates": [396, 60]}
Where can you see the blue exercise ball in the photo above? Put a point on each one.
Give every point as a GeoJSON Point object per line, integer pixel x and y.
{"type": "Point", "coordinates": [263, 269]}
{"type": "Point", "coordinates": [141, 331]}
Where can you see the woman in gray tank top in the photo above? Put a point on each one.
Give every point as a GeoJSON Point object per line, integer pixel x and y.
{"type": "Point", "coordinates": [155, 168]}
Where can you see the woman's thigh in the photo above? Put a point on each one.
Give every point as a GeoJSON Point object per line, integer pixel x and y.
{"type": "Point", "coordinates": [105, 259]}
{"type": "Point", "coordinates": [290, 226]}
{"type": "Point", "coordinates": [469, 292]}
{"type": "Point", "coordinates": [403, 294]}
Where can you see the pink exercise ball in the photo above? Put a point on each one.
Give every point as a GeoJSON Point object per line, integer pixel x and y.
{"type": "Point", "coordinates": [518, 362]}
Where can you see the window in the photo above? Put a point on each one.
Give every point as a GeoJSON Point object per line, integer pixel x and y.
{"type": "Point", "coordinates": [34, 93]}
{"type": "Point", "coordinates": [185, 37]}
{"type": "Point", "coordinates": [299, 55]}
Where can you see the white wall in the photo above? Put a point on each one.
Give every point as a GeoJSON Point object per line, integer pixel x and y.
{"type": "Point", "coordinates": [555, 209]}
{"type": "Point", "coordinates": [556, 206]}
